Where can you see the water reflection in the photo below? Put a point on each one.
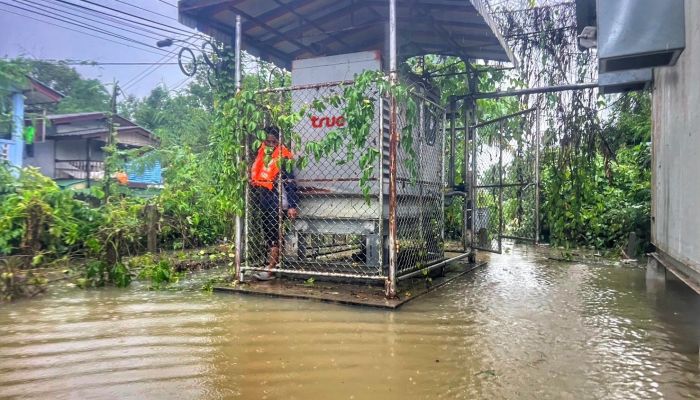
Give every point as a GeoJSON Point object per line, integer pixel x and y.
{"type": "Point", "coordinates": [525, 327]}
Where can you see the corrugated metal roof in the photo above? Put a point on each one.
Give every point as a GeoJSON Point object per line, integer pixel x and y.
{"type": "Point", "coordinates": [150, 175]}
{"type": "Point", "coordinates": [281, 31]}
{"type": "Point", "coordinates": [87, 116]}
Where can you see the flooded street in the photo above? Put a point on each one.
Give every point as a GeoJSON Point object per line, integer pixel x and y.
{"type": "Point", "coordinates": [523, 328]}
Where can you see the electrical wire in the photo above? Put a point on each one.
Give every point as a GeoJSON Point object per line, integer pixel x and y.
{"type": "Point", "coordinates": [75, 30]}
{"type": "Point", "coordinates": [139, 77]}
{"type": "Point", "coordinates": [35, 4]}
{"type": "Point", "coordinates": [85, 26]}
{"type": "Point", "coordinates": [131, 15]}
{"type": "Point", "coordinates": [145, 9]}
{"type": "Point", "coordinates": [136, 24]}
{"type": "Point", "coordinates": [165, 2]}
{"type": "Point", "coordinates": [109, 63]}
{"type": "Point", "coordinates": [117, 19]}
{"type": "Point", "coordinates": [181, 83]}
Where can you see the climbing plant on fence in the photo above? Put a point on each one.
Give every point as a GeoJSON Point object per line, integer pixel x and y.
{"type": "Point", "coordinates": [245, 115]}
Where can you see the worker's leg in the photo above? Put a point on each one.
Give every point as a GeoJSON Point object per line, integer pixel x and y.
{"type": "Point", "coordinates": [274, 256]}
{"type": "Point", "coordinates": [271, 234]}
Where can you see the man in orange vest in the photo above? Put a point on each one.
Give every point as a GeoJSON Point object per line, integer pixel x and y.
{"type": "Point", "coordinates": [267, 171]}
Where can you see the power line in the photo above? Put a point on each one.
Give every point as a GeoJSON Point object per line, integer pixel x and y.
{"type": "Point", "coordinates": [32, 3]}
{"type": "Point", "coordinates": [152, 69]}
{"type": "Point", "coordinates": [181, 83]}
{"type": "Point", "coordinates": [123, 21]}
{"type": "Point", "coordinates": [90, 63]}
{"type": "Point", "coordinates": [165, 2]}
{"type": "Point", "coordinates": [131, 15]}
{"type": "Point", "coordinates": [98, 63]}
{"type": "Point", "coordinates": [145, 9]}
{"type": "Point", "coordinates": [85, 26]}
{"type": "Point", "coordinates": [117, 19]}
{"type": "Point", "coordinates": [75, 30]}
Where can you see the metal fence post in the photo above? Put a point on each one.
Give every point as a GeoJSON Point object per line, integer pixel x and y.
{"type": "Point", "coordinates": [238, 239]}
{"type": "Point", "coordinates": [453, 144]}
{"type": "Point", "coordinates": [500, 186]}
{"type": "Point", "coordinates": [537, 176]}
{"type": "Point", "coordinates": [390, 285]}
{"type": "Point", "coordinates": [380, 181]}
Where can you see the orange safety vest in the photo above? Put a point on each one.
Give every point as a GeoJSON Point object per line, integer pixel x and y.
{"type": "Point", "coordinates": [263, 175]}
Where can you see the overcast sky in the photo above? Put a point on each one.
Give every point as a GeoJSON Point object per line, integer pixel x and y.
{"type": "Point", "coordinates": [23, 36]}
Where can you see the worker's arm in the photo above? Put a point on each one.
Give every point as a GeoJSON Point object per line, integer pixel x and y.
{"type": "Point", "coordinates": [290, 188]}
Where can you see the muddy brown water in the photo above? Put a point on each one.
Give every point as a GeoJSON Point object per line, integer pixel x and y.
{"type": "Point", "coordinates": [523, 328]}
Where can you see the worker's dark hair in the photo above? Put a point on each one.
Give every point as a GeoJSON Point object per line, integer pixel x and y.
{"type": "Point", "coordinates": [272, 130]}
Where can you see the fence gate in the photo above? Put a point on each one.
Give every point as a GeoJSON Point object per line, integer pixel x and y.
{"type": "Point", "coordinates": [504, 193]}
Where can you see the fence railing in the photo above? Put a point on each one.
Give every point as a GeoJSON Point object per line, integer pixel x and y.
{"type": "Point", "coordinates": [79, 169]}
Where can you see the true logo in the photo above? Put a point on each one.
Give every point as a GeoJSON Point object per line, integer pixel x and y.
{"type": "Point", "coordinates": [327, 122]}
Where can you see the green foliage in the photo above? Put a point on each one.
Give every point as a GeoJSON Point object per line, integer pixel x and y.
{"type": "Point", "coordinates": [597, 201]}
{"type": "Point", "coordinates": [238, 119]}
{"type": "Point", "coordinates": [36, 215]}
{"type": "Point", "coordinates": [121, 231]}
{"type": "Point", "coordinates": [98, 273]}
{"type": "Point", "coordinates": [16, 282]}
{"type": "Point", "coordinates": [188, 203]}
{"type": "Point", "coordinates": [12, 75]}
{"type": "Point", "coordinates": [159, 274]}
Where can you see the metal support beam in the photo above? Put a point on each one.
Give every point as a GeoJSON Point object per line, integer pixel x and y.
{"type": "Point", "coordinates": [237, 80]}
{"type": "Point", "coordinates": [537, 177]}
{"type": "Point", "coordinates": [547, 89]}
{"type": "Point", "coordinates": [87, 163]}
{"type": "Point", "coordinates": [390, 285]}
{"type": "Point", "coordinates": [469, 178]}
{"type": "Point", "coordinates": [453, 144]}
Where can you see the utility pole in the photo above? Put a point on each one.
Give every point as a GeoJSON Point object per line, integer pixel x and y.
{"type": "Point", "coordinates": [111, 140]}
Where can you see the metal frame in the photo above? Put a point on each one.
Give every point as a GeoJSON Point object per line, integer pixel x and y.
{"type": "Point", "coordinates": [429, 195]}
{"type": "Point", "coordinates": [424, 189]}
{"type": "Point", "coordinates": [500, 186]}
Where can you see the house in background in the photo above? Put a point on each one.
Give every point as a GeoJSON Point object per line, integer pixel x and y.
{"type": "Point", "coordinates": [68, 148]}
{"type": "Point", "coordinates": [33, 97]}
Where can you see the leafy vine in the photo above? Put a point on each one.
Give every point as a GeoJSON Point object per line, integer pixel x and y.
{"type": "Point", "coordinates": [244, 116]}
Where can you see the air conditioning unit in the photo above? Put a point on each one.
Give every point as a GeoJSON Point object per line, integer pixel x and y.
{"type": "Point", "coordinates": [636, 34]}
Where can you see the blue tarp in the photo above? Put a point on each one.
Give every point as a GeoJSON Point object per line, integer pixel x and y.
{"type": "Point", "coordinates": [151, 175]}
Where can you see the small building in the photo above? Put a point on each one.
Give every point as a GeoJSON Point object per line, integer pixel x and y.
{"type": "Point", "coordinates": [68, 148]}
{"type": "Point", "coordinates": [379, 220]}
{"type": "Point", "coordinates": [31, 96]}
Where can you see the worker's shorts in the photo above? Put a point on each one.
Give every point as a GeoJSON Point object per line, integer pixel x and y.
{"type": "Point", "coordinates": [267, 202]}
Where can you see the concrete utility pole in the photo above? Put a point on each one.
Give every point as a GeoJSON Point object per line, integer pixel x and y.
{"type": "Point", "coordinates": [111, 139]}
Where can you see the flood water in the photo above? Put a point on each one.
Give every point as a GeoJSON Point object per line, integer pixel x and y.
{"type": "Point", "coordinates": [523, 328]}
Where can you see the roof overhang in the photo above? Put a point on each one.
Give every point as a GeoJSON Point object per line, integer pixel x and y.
{"type": "Point", "coordinates": [102, 134]}
{"type": "Point", "coordinates": [40, 93]}
{"type": "Point", "coordinates": [281, 31]}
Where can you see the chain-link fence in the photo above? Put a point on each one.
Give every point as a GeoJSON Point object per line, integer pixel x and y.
{"type": "Point", "coordinates": [341, 225]}
{"type": "Point", "coordinates": [504, 189]}
{"type": "Point", "coordinates": [419, 210]}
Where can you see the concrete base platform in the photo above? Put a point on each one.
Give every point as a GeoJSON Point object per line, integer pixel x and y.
{"type": "Point", "coordinates": [352, 294]}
